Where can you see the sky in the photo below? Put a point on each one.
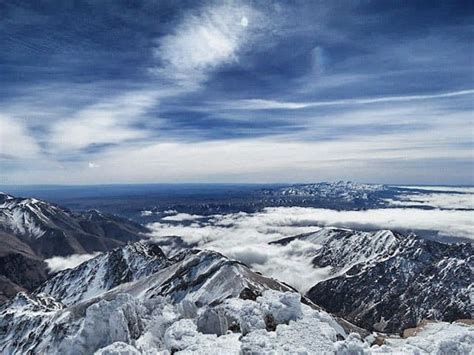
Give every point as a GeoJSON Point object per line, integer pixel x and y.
{"type": "Point", "coordinates": [235, 91]}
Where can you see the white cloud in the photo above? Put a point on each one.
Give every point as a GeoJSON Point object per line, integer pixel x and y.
{"type": "Point", "coordinates": [276, 159]}
{"type": "Point", "coordinates": [15, 141]}
{"type": "Point", "coordinates": [93, 165]}
{"type": "Point", "coordinates": [449, 223]}
{"type": "Point", "coordinates": [245, 236]}
{"type": "Point", "coordinates": [203, 41]}
{"type": "Point", "coordinates": [260, 104]}
{"type": "Point", "coordinates": [179, 217]}
{"type": "Point", "coordinates": [460, 189]}
{"type": "Point", "coordinates": [58, 263]}
{"type": "Point", "coordinates": [430, 139]}
{"type": "Point", "coordinates": [438, 200]}
{"type": "Point", "coordinates": [106, 122]}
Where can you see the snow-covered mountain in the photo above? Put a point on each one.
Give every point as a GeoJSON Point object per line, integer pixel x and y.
{"type": "Point", "coordinates": [88, 312]}
{"type": "Point", "coordinates": [32, 230]}
{"type": "Point", "coordinates": [340, 249]}
{"type": "Point", "coordinates": [134, 299]}
{"type": "Point", "coordinates": [51, 230]}
{"type": "Point", "coordinates": [179, 277]}
{"type": "Point", "coordinates": [386, 281]}
{"type": "Point", "coordinates": [196, 302]}
{"type": "Point", "coordinates": [340, 194]}
{"type": "Point", "coordinates": [345, 189]}
{"type": "Point", "coordinates": [105, 272]}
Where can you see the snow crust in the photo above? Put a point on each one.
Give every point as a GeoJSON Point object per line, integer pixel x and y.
{"type": "Point", "coordinates": [434, 338]}
{"type": "Point", "coordinates": [274, 323]}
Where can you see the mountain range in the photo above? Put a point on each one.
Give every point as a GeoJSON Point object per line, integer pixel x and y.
{"type": "Point", "coordinates": [32, 230]}
{"type": "Point", "coordinates": [386, 281]}
{"type": "Point", "coordinates": [133, 298]}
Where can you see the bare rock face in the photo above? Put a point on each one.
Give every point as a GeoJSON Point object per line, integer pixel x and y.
{"type": "Point", "coordinates": [20, 268]}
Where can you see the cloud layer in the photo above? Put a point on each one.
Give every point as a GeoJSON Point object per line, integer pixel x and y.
{"type": "Point", "coordinates": [245, 237]}
{"type": "Point", "coordinates": [259, 104]}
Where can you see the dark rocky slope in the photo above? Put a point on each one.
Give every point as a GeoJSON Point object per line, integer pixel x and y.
{"type": "Point", "coordinates": [409, 280]}
{"type": "Point", "coordinates": [20, 268]}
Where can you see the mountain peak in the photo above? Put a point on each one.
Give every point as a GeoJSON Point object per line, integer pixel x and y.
{"type": "Point", "coordinates": [105, 271]}
{"type": "Point", "coordinates": [51, 230]}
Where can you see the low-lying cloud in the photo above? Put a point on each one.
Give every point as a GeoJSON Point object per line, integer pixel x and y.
{"type": "Point", "coordinates": [246, 236]}
{"type": "Point", "coordinates": [58, 263]}
{"type": "Point", "coordinates": [182, 217]}
{"type": "Point", "coordinates": [437, 200]}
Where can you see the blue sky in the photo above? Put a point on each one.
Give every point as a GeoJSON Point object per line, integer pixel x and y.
{"type": "Point", "coordinates": [235, 91]}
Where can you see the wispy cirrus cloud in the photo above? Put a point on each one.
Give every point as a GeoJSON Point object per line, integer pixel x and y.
{"type": "Point", "coordinates": [150, 91]}
{"type": "Point", "coordinates": [389, 158]}
{"type": "Point", "coordinates": [262, 104]}
{"type": "Point", "coordinates": [205, 39]}
{"type": "Point", "coordinates": [110, 121]}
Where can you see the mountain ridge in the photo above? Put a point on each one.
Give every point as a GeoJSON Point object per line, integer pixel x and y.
{"type": "Point", "coordinates": [33, 230]}
{"type": "Point", "coordinates": [383, 280]}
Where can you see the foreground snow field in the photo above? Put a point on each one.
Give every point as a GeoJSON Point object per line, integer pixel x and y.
{"type": "Point", "coordinates": [196, 302]}
{"type": "Point", "coordinates": [276, 322]}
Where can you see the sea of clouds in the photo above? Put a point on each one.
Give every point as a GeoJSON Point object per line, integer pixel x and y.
{"type": "Point", "coordinates": [457, 198]}
{"type": "Point", "coordinates": [440, 213]}
{"type": "Point", "coordinates": [246, 236]}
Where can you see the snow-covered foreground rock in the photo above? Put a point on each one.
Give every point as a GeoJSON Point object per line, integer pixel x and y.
{"type": "Point", "coordinates": [434, 338]}
{"type": "Point", "coordinates": [276, 322]}
{"type": "Point", "coordinates": [135, 300]}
